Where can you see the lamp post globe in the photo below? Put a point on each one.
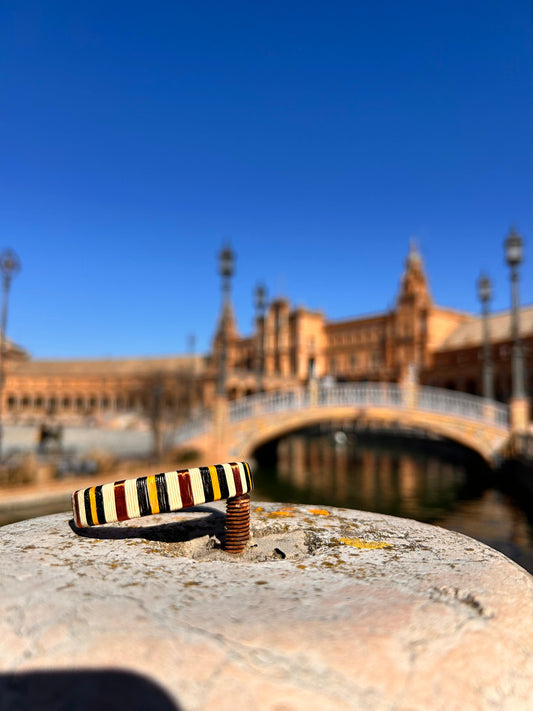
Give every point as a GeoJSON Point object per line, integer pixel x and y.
{"type": "Point", "coordinates": [513, 248]}
{"type": "Point", "coordinates": [226, 264]}
{"type": "Point", "coordinates": [9, 264]}
{"type": "Point", "coordinates": [260, 298]}
{"type": "Point", "coordinates": [484, 289]}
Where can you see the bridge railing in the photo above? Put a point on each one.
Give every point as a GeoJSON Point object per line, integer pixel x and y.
{"type": "Point", "coordinates": [390, 395]}
{"type": "Point", "coordinates": [501, 414]}
{"type": "Point", "coordinates": [374, 395]}
{"type": "Point", "coordinates": [470, 407]}
{"type": "Point", "coordinates": [384, 394]}
{"type": "Point", "coordinates": [276, 401]}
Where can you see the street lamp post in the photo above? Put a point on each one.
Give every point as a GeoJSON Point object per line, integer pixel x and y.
{"type": "Point", "coordinates": [226, 268]}
{"type": "Point", "coordinates": [9, 267]}
{"type": "Point", "coordinates": [484, 289]}
{"type": "Point", "coordinates": [513, 256]}
{"type": "Point", "coordinates": [260, 304]}
{"type": "Point", "coordinates": [157, 393]}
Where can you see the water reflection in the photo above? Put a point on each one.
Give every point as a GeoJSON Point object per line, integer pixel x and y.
{"type": "Point", "coordinates": [431, 481]}
{"type": "Point", "coordinates": [369, 474]}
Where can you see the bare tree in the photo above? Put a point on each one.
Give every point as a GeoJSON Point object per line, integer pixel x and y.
{"type": "Point", "coordinates": [168, 399]}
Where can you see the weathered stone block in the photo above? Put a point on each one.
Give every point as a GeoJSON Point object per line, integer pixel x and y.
{"type": "Point", "coordinates": [327, 609]}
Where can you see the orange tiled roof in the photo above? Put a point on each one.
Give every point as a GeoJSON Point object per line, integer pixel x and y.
{"type": "Point", "coordinates": [470, 333]}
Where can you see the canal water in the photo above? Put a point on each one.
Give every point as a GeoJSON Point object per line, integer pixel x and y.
{"type": "Point", "coordinates": [429, 480]}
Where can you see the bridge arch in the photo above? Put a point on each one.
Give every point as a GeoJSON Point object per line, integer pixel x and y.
{"type": "Point", "coordinates": [476, 423]}
{"type": "Point", "coordinates": [477, 439]}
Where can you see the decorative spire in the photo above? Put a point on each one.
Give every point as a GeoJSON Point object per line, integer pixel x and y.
{"type": "Point", "coordinates": [414, 257]}
{"type": "Point", "coordinates": [413, 281]}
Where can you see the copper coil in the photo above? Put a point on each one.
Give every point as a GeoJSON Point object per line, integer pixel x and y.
{"type": "Point", "coordinates": [239, 502]}
{"type": "Point", "coordinates": [239, 519]}
{"type": "Point", "coordinates": [242, 501]}
{"type": "Point", "coordinates": [238, 512]}
{"type": "Point", "coordinates": [237, 523]}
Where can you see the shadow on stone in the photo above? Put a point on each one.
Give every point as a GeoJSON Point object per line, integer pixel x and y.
{"type": "Point", "coordinates": [104, 690]}
{"type": "Point", "coordinates": [175, 532]}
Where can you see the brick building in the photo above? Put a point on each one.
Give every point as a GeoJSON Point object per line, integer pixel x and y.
{"type": "Point", "coordinates": [440, 346]}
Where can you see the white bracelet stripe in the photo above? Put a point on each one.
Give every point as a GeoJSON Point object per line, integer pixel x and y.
{"type": "Point", "coordinates": [197, 486]}
{"type": "Point", "coordinates": [174, 496]}
{"type": "Point", "coordinates": [229, 478]}
{"type": "Point", "coordinates": [108, 493]}
{"type": "Point", "coordinates": [132, 502]}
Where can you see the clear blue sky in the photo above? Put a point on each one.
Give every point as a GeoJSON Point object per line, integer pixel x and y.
{"type": "Point", "coordinates": [317, 136]}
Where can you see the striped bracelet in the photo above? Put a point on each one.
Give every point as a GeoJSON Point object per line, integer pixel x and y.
{"type": "Point", "coordinates": [172, 491]}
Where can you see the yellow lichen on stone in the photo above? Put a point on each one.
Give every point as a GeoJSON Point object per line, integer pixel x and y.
{"type": "Point", "coordinates": [258, 509]}
{"type": "Point", "coordinates": [319, 512]}
{"type": "Point", "coordinates": [359, 543]}
{"type": "Point", "coordinates": [281, 512]}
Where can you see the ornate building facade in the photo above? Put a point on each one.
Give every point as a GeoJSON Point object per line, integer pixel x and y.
{"type": "Point", "coordinates": [289, 347]}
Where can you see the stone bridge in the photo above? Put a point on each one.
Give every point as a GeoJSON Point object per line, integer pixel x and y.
{"type": "Point", "coordinates": [234, 430]}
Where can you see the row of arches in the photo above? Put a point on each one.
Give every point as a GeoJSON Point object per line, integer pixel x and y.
{"type": "Point", "coordinates": [234, 393]}
{"type": "Point", "coordinates": [83, 404]}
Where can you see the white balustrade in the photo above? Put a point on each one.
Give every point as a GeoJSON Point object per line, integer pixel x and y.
{"type": "Point", "coordinates": [466, 406]}
{"type": "Point", "coordinates": [390, 395]}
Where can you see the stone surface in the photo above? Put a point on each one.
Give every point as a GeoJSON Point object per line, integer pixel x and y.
{"type": "Point", "coordinates": [327, 609]}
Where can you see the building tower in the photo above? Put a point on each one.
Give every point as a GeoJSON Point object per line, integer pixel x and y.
{"type": "Point", "coordinates": [411, 317]}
